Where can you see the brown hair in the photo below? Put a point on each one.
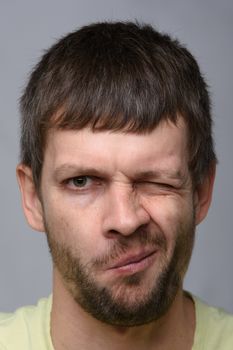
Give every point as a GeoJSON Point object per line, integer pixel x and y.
{"type": "Point", "coordinates": [119, 76]}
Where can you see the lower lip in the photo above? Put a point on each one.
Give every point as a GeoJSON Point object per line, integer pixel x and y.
{"type": "Point", "coordinates": [135, 266]}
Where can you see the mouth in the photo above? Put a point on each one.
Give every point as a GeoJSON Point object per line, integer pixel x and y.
{"type": "Point", "coordinates": [134, 263]}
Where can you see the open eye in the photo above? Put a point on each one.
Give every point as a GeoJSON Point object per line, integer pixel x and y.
{"type": "Point", "coordinates": [83, 183]}
{"type": "Point", "coordinates": [80, 181]}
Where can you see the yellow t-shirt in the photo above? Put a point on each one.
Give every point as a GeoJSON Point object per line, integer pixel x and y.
{"type": "Point", "coordinates": [29, 328]}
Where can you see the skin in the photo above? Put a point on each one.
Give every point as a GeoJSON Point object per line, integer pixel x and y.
{"type": "Point", "coordinates": [131, 182]}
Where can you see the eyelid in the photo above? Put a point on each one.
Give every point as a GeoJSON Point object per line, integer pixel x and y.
{"type": "Point", "coordinates": [78, 177]}
{"type": "Point", "coordinates": [156, 182]}
{"type": "Point", "coordinates": [157, 185]}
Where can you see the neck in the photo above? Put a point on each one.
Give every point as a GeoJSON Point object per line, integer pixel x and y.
{"type": "Point", "coordinates": [72, 328]}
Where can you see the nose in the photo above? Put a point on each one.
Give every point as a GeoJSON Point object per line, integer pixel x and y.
{"type": "Point", "coordinates": [124, 213]}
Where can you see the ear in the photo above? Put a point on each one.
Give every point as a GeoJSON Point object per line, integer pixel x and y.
{"type": "Point", "coordinates": [203, 194]}
{"type": "Point", "coordinates": [30, 200]}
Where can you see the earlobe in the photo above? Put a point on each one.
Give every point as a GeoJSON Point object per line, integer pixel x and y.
{"type": "Point", "coordinates": [31, 203]}
{"type": "Point", "coordinates": [203, 195]}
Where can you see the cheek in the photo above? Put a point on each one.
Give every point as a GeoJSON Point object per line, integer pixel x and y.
{"type": "Point", "coordinates": [75, 226]}
{"type": "Point", "coordinates": [168, 212]}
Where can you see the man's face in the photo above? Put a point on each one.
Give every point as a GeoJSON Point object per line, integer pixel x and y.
{"type": "Point", "coordinates": [119, 215]}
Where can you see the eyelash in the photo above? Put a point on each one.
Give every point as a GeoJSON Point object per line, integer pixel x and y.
{"type": "Point", "coordinates": [159, 185]}
{"type": "Point", "coordinates": [164, 185]}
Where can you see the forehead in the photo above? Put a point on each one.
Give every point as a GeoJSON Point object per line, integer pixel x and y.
{"type": "Point", "coordinates": [164, 147]}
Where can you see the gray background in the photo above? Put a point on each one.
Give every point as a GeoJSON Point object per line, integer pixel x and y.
{"type": "Point", "coordinates": [28, 27]}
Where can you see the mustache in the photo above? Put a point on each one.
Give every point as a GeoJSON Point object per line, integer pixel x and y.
{"type": "Point", "coordinates": [141, 238]}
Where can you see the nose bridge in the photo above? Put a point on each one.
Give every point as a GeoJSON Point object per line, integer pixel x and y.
{"type": "Point", "coordinates": [125, 212]}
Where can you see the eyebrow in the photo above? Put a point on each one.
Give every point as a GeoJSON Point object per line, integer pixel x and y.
{"type": "Point", "coordinates": [77, 170]}
{"type": "Point", "coordinates": [171, 174]}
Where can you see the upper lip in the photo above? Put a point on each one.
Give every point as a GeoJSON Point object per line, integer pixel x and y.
{"type": "Point", "coordinates": [132, 258]}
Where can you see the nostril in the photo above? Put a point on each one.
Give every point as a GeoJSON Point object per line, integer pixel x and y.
{"type": "Point", "coordinates": [140, 232]}
{"type": "Point", "coordinates": [113, 233]}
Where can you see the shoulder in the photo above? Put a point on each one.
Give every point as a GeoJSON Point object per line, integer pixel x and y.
{"type": "Point", "coordinates": [26, 328]}
{"type": "Point", "coordinates": [214, 327]}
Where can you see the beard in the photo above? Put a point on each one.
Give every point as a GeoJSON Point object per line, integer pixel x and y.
{"type": "Point", "coordinates": [128, 302]}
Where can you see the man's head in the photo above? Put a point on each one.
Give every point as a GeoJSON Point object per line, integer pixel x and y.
{"type": "Point", "coordinates": [117, 166]}
{"type": "Point", "coordinates": [116, 76]}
